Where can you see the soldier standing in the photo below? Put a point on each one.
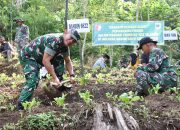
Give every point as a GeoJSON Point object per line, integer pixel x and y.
{"type": "Point", "coordinates": [22, 34]}
{"type": "Point", "coordinates": [157, 71]}
{"type": "Point", "coordinates": [5, 48]}
{"type": "Point", "coordinates": [50, 50]}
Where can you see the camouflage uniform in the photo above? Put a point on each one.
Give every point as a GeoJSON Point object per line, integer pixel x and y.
{"type": "Point", "coordinates": [157, 71]}
{"type": "Point", "coordinates": [31, 60]}
{"type": "Point", "coordinates": [22, 36]}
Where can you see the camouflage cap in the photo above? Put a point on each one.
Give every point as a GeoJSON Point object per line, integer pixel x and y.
{"type": "Point", "coordinates": [19, 20]}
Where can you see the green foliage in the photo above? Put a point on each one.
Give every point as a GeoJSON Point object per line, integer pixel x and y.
{"type": "Point", "coordinates": [30, 105]}
{"type": "Point", "coordinates": [177, 98]}
{"type": "Point", "coordinates": [40, 121]}
{"type": "Point", "coordinates": [142, 110]}
{"type": "Point", "coordinates": [100, 78]}
{"type": "Point", "coordinates": [174, 90]}
{"type": "Point", "coordinates": [44, 17]}
{"type": "Point", "coordinates": [60, 101]}
{"type": "Point", "coordinates": [155, 89]}
{"type": "Point", "coordinates": [112, 97]}
{"type": "Point", "coordinates": [4, 98]}
{"type": "Point", "coordinates": [84, 80]}
{"type": "Point", "coordinates": [126, 98]}
{"type": "Point", "coordinates": [3, 78]}
{"type": "Point", "coordinates": [86, 96]}
{"type": "Point", "coordinates": [129, 97]}
{"type": "Point", "coordinates": [14, 80]}
{"type": "Point", "coordinates": [9, 126]}
{"type": "Point", "coordinates": [11, 107]}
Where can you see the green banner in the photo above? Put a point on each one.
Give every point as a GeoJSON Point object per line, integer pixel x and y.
{"type": "Point", "coordinates": [127, 33]}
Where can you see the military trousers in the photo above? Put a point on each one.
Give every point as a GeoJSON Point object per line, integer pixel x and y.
{"type": "Point", "coordinates": [31, 71]}
{"type": "Point", "coordinates": [145, 80]}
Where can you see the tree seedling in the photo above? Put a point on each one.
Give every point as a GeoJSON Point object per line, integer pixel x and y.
{"type": "Point", "coordinates": [174, 90]}
{"type": "Point", "coordinates": [155, 89]}
{"type": "Point", "coordinates": [86, 96]}
{"type": "Point", "coordinates": [100, 78]}
{"type": "Point", "coordinates": [177, 98]}
{"type": "Point", "coordinates": [84, 80]}
{"type": "Point", "coordinates": [30, 105]}
{"type": "Point", "coordinates": [60, 101]}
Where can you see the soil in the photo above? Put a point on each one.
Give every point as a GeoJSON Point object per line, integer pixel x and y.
{"type": "Point", "coordinates": [156, 112]}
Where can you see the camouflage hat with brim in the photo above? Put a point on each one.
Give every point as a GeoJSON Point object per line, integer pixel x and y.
{"type": "Point", "coordinates": [75, 35]}
{"type": "Point", "coordinates": [19, 20]}
{"type": "Point", "coordinates": [144, 41]}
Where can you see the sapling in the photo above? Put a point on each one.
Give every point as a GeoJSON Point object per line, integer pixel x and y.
{"type": "Point", "coordinates": [30, 105]}
{"type": "Point", "coordinates": [108, 75]}
{"type": "Point", "coordinates": [155, 89]}
{"type": "Point", "coordinates": [100, 78]}
{"type": "Point", "coordinates": [60, 101]}
{"type": "Point", "coordinates": [126, 98]}
{"type": "Point", "coordinates": [86, 96]}
{"type": "Point", "coordinates": [84, 80]}
{"type": "Point", "coordinates": [13, 85]}
{"type": "Point", "coordinates": [3, 78]}
{"type": "Point", "coordinates": [112, 97]}
{"type": "Point", "coordinates": [11, 107]}
{"type": "Point", "coordinates": [109, 95]}
{"type": "Point", "coordinates": [177, 98]}
{"type": "Point", "coordinates": [174, 90]}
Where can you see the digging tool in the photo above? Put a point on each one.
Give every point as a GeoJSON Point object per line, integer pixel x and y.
{"type": "Point", "coordinates": [61, 87]}
{"type": "Point", "coordinates": [53, 90]}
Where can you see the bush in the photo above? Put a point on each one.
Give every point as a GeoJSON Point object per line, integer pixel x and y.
{"type": "Point", "coordinates": [41, 121]}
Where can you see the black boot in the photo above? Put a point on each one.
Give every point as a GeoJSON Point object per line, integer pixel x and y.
{"type": "Point", "coordinates": [20, 106]}
{"type": "Point", "coordinates": [141, 92]}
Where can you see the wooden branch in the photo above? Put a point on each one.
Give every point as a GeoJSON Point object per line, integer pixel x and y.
{"type": "Point", "coordinates": [98, 117]}
{"type": "Point", "coordinates": [110, 111]}
{"type": "Point", "coordinates": [121, 124]}
{"type": "Point", "coordinates": [131, 122]}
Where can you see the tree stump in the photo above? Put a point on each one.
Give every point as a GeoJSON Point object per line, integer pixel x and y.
{"type": "Point", "coordinates": [107, 117]}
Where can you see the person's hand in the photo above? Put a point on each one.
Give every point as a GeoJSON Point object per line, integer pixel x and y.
{"type": "Point", "coordinates": [72, 80]}
{"type": "Point", "coordinates": [56, 82]}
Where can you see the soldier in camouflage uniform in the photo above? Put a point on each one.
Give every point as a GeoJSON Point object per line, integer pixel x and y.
{"type": "Point", "coordinates": [157, 71]}
{"type": "Point", "coordinates": [46, 50]}
{"type": "Point", "coordinates": [22, 34]}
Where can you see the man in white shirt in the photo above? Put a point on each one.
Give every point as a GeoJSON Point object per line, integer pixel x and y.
{"type": "Point", "coordinates": [102, 62]}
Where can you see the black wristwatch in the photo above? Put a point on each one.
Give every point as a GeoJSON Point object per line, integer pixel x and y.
{"type": "Point", "coordinates": [72, 75]}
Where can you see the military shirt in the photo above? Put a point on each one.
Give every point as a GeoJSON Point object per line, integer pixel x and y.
{"type": "Point", "coordinates": [52, 44]}
{"type": "Point", "coordinates": [158, 62]}
{"type": "Point", "coordinates": [144, 58]}
{"type": "Point", "coordinates": [22, 33]}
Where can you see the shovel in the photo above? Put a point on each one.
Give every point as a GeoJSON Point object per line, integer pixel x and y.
{"type": "Point", "coordinates": [61, 87]}
{"type": "Point", "coordinates": [55, 90]}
